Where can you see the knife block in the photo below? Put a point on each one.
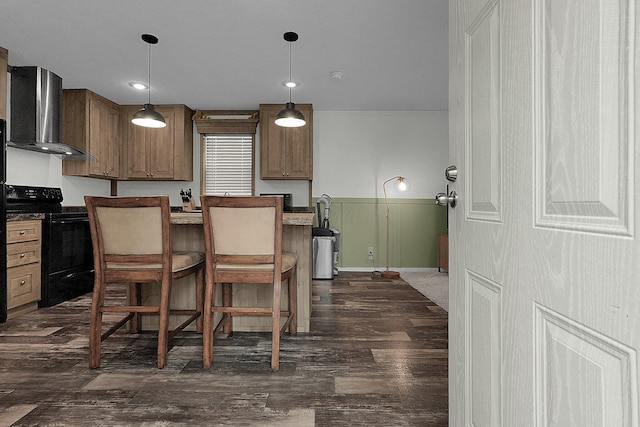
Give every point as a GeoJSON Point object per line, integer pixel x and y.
{"type": "Point", "coordinates": [189, 206]}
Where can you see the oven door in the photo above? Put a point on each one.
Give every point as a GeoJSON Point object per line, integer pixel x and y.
{"type": "Point", "coordinates": [67, 268]}
{"type": "Point", "coordinates": [69, 243]}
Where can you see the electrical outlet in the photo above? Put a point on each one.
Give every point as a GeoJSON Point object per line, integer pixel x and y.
{"type": "Point", "coordinates": [370, 253]}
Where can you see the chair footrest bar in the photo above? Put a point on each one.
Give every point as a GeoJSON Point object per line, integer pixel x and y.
{"type": "Point", "coordinates": [130, 309]}
{"type": "Point", "coordinates": [247, 311]}
{"type": "Point", "coordinates": [184, 324]}
{"type": "Point", "coordinates": [117, 326]}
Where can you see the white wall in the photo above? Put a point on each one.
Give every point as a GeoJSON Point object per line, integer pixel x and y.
{"type": "Point", "coordinates": [354, 153]}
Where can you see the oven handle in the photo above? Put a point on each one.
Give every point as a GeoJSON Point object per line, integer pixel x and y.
{"type": "Point", "coordinates": [69, 221]}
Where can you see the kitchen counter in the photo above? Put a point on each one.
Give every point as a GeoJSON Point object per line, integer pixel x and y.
{"type": "Point", "coordinates": [188, 235]}
{"type": "Point", "coordinates": [289, 218]}
{"type": "Point", "coordinates": [24, 216]}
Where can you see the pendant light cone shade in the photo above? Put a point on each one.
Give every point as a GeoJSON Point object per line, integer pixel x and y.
{"type": "Point", "coordinates": [290, 117]}
{"type": "Point", "coordinates": [148, 116]}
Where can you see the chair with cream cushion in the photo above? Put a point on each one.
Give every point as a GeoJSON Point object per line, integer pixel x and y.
{"type": "Point", "coordinates": [132, 244]}
{"type": "Point", "coordinates": [243, 241]}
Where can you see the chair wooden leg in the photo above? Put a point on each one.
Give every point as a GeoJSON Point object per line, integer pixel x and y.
{"type": "Point", "coordinates": [227, 301]}
{"type": "Point", "coordinates": [199, 298]}
{"type": "Point", "coordinates": [163, 327]}
{"type": "Point", "coordinates": [275, 326]}
{"type": "Point", "coordinates": [207, 332]}
{"type": "Point", "coordinates": [95, 324]}
{"type": "Point", "coordinates": [293, 302]}
{"type": "Point", "coordinates": [135, 298]}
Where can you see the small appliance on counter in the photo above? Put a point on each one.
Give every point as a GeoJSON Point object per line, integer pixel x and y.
{"type": "Point", "coordinates": [326, 243]}
{"type": "Point", "coordinates": [287, 202]}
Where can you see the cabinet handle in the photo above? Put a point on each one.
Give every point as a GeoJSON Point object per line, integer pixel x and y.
{"type": "Point", "coordinates": [23, 255]}
{"type": "Point", "coordinates": [22, 283]}
{"type": "Point", "coordinates": [22, 232]}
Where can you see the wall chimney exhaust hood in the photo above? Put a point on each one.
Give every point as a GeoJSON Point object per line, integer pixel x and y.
{"type": "Point", "coordinates": [36, 113]}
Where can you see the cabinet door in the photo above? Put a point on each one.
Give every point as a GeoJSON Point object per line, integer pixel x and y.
{"type": "Point", "coordinates": [4, 61]}
{"type": "Point", "coordinates": [136, 152]}
{"type": "Point", "coordinates": [272, 145]}
{"type": "Point", "coordinates": [298, 147]}
{"type": "Point", "coordinates": [103, 141]}
{"type": "Point", "coordinates": [285, 153]}
{"type": "Point", "coordinates": [161, 146]}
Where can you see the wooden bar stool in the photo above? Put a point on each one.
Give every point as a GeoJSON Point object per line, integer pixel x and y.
{"type": "Point", "coordinates": [243, 242]}
{"type": "Point", "coordinates": [132, 244]}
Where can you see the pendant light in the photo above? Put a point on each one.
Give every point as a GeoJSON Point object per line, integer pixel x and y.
{"type": "Point", "coordinates": [148, 116]}
{"type": "Point", "coordinates": [290, 117]}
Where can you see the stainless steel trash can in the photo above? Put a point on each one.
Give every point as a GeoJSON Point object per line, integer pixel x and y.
{"type": "Point", "coordinates": [323, 257]}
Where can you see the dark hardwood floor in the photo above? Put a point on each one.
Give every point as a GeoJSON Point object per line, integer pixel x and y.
{"type": "Point", "coordinates": [376, 356]}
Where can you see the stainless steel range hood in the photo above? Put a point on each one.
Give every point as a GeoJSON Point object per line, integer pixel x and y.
{"type": "Point", "coordinates": [36, 113]}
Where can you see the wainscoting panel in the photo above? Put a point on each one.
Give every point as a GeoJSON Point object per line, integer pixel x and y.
{"type": "Point", "coordinates": [414, 225]}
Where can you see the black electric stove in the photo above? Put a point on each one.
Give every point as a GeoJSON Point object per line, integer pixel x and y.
{"type": "Point", "coordinates": [67, 255]}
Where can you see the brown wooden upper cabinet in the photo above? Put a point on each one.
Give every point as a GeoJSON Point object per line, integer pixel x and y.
{"type": "Point", "coordinates": [158, 154]}
{"type": "Point", "coordinates": [91, 123]}
{"type": "Point", "coordinates": [4, 66]}
{"type": "Point", "coordinates": [285, 153]}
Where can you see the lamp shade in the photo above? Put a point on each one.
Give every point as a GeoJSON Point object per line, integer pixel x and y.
{"type": "Point", "coordinates": [290, 117]}
{"type": "Point", "coordinates": [148, 117]}
{"type": "Point", "coordinates": [402, 184]}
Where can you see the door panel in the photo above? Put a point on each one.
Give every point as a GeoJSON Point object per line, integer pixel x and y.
{"type": "Point", "coordinates": [483, 141]}
{"type": "Point", "coordinates": [544, 291]}
{"type": "Point", "coordinates": [583, 147]}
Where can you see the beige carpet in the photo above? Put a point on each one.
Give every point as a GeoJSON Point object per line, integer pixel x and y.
{"type": "Point", "coordinates": [432, 284]}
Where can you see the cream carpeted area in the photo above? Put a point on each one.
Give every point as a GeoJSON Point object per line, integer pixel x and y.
{"type": "Point", "coordinates": [432, 284]}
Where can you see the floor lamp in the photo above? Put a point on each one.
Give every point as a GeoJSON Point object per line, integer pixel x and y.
{"type": "Point", "coordinates": [401, 185]}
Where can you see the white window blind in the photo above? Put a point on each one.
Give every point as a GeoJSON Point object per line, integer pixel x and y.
{"type": "Point", "coordinates": [228, 164]}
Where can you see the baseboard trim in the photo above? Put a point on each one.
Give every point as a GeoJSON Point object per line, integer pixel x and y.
{"type": "Point", "coordinates": [401, 270]}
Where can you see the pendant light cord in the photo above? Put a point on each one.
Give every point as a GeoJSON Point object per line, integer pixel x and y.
{"type": "Point", "coordinates": [149, 79]}
{"type": "Point", "coordinates": [290, 43]}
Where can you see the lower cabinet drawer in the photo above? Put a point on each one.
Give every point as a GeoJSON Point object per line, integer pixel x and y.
{"type": "Point", "coordinates": [23, 253]}
{"type": "Point", "coordinates": [23, 285]}
{"type": "Point", "coordinates": [21, 231]}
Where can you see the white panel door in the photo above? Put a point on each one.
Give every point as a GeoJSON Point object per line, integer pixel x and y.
{"type": "Point", "coordinates": [544, 252]}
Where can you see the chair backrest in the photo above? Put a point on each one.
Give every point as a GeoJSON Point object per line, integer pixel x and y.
{"type": "Point", "coordinates": [243, 230]}
{"type": "Point", "coordinates": [130, 230]}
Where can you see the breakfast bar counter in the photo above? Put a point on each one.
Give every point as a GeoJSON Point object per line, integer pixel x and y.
{"type": "Point", "coordinates": [188, 234]}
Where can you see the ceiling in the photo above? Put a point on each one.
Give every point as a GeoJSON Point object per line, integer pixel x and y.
{"type": "Point", "coordinates": [230, 54]}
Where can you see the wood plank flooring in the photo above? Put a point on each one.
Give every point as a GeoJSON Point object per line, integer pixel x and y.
{"type": "Point", "coordinates": [376, 356]}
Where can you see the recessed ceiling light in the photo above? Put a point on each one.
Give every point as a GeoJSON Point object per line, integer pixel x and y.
{"type": "Point", "coordinates": [139, 86]}
{"type": "Point", "coordinates": [288, 83]}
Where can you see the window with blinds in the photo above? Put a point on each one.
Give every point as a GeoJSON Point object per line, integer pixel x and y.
{"type": "Point", "coordinates": [228, 165]}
